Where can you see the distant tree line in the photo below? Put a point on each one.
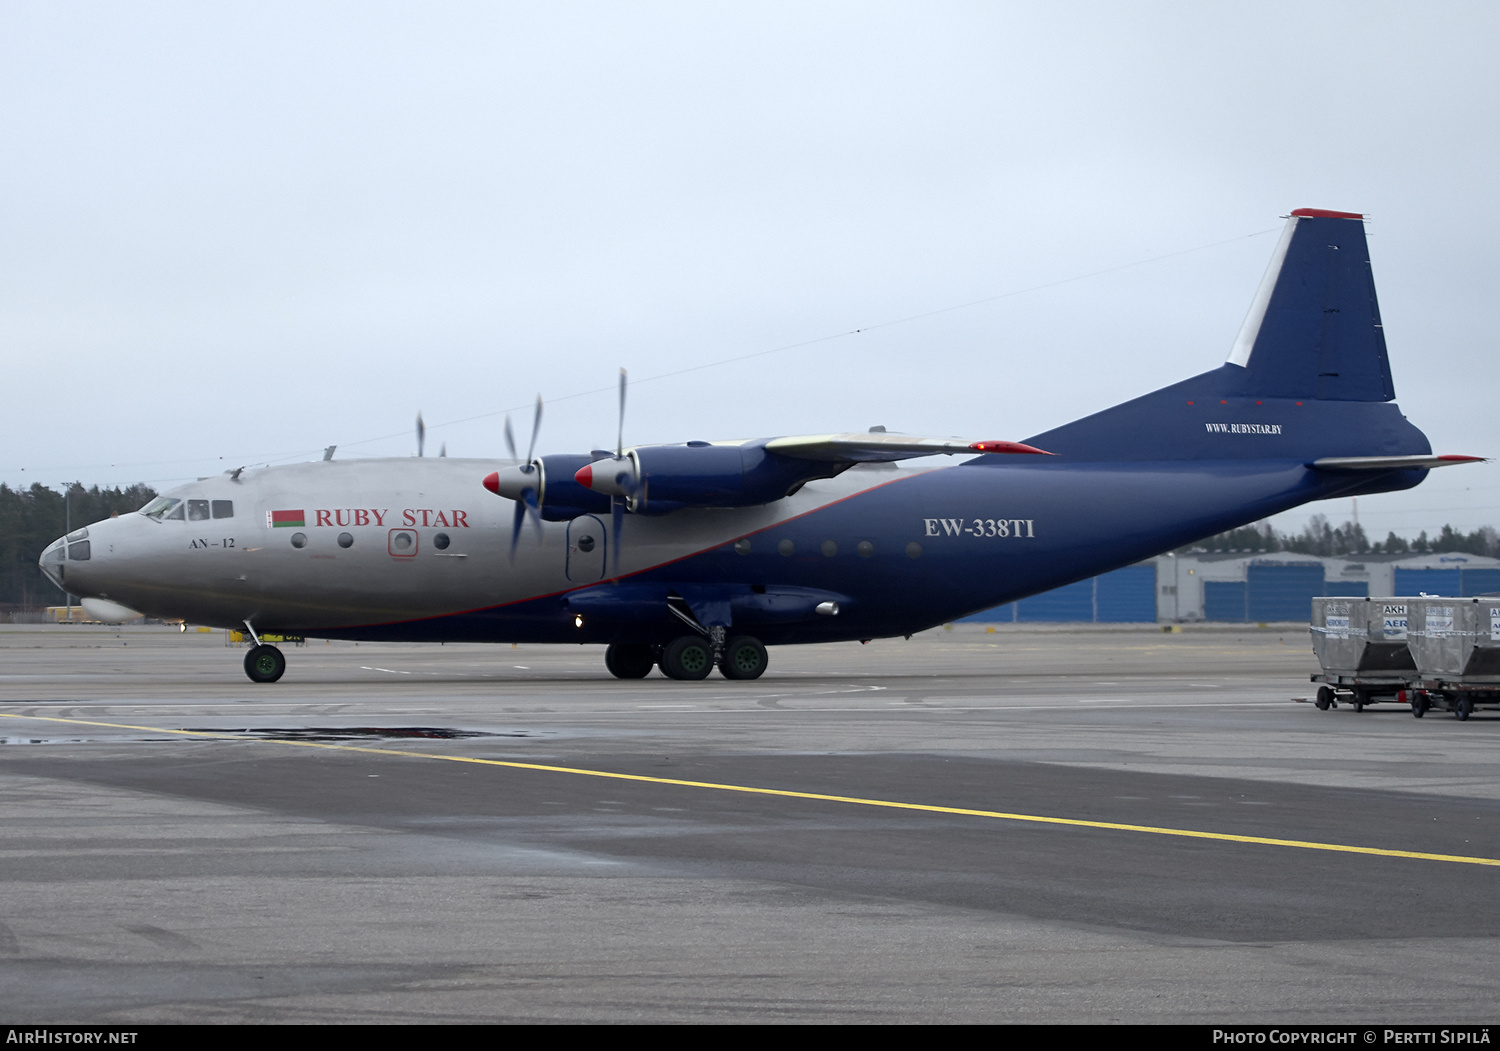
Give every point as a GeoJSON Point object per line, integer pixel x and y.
{"type": "Point", "coordinates": [1319, 537]}
{"type": "Point", "coordinates": [30, 519]}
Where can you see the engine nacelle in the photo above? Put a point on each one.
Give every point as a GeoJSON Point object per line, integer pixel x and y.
{"type": "Point", "coordinates": [656, 479]}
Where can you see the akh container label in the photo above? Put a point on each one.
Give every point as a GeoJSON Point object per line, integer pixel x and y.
{"type": "Point", "coordinates": [1393, 620]}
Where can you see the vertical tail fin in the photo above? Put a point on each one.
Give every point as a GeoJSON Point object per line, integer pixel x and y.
{"type": "Point", "coordinates": [1314, 329]}
{"type": "Point", "coordinates": [1308, 375]}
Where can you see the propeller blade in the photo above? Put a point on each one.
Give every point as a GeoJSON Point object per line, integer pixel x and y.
{"type": "Point", "coordinates": [620, 437]}
{"type": "Point", "coordinates": [444, 450]}
{"type": "Point", "coordinates": [617, 520]}
{"type": "Point", "coordinates": [517, 521]}
{"type": "Point", "coordinates": [421, 433]}
{"type": "Point", "coordinates": [536, 425]}
{"type": "Point", "coordinates": [510, 438]}
{"type": "Point", "coordinates": [527, 506]}
{"type": "Point", "coordinates": [533, 510]}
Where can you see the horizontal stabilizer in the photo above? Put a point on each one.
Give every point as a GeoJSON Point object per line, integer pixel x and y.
{"type": "Point", "coordinates": [1390, 463]}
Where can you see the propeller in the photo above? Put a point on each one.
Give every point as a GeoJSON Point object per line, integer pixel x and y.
{"type": "Point", "coordinates": [616, 476]}
{"type": "Point", "coordinates": [421, 434]}
{"type": "Point", "coordinates": [617, 503]}
{"type": "Point", "coordinates": [522, 483]}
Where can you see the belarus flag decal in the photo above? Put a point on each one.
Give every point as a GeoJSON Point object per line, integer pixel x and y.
{"type": "Point", "coordinates": [287, 519]}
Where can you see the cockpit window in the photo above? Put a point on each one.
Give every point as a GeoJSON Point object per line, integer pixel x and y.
{"type": "Point", "coordinates": [164, 509]}
{"type": "Point", "coordinates": [223, 508]}
{"type": "Point", "coordinates": [197, 510]}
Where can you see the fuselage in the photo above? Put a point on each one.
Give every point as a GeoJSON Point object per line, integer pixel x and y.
{"type": "Point", "coordinates": [415, 549]}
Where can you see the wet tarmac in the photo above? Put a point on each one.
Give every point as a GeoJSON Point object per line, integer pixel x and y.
{"type": "Point", "coordinates": [1030, 826]}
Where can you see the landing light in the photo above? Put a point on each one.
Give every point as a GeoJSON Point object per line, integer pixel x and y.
{"type": "Point", "coordinates": [578, 622]}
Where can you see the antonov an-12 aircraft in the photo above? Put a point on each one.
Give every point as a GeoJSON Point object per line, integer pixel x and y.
{"type": "Point", "coordinates": [688, 556]}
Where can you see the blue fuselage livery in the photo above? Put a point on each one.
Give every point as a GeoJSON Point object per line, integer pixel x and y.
{"type": "Point", "coordinates": [702, 554]}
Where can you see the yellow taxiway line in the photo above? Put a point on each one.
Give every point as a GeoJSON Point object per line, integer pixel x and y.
{"type": "Point", "coordinates": [929, 808]}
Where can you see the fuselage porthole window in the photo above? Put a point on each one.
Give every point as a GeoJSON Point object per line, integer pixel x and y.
{"type": "Point", "coordinates": [346, 540]}
{"type": "Point", "coordinates": [299, 539]}
{"type": "Point", "coordinates": [441, 541]}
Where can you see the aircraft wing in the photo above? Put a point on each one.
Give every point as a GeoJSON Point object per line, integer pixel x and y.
{"type": "Point", "coordinates": [879, 447]}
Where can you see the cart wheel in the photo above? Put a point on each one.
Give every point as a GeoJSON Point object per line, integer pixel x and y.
{"type": "Point", "coordinates": [1463, 708]}
{"type": "Point", "coordinates": [1419, 704]}
{"type": "Point", "coordinates": [1325, 698]}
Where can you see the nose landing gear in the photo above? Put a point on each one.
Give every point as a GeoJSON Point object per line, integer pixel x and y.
{"type": "Point", "coordinates": [264, 663]}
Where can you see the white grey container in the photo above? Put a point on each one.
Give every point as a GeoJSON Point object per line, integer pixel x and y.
{"type": "Point", "coordinates": [1363, 640]}
{"type": "Point", "coordinates": [1455, 640]}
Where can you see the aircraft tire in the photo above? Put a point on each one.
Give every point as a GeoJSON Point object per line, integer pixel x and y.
{"type": "Point", "coordinates": [744, 658]}
{"type": "Point", "coordinates": [687, 658]}
{"type": "Point", "coordinates": [629, 660]}
{"type": "Point", "coordinates": [264, 663]}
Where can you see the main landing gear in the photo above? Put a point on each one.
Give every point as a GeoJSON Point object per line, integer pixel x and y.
{"type": "Point", "coordinates": [627, 661]}
{"type": "Point", "coordinates": [264, 663]}
{"type": "Point", "coordinates": [688, 658]}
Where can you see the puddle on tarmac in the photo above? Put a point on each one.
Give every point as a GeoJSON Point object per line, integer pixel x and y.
{"type": "Point", "coordinates": [294, 733]}
{"type": "Point", "coordinates": [353, 733]}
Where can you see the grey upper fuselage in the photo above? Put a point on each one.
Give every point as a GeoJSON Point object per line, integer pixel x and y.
{"type": "Point", "coordinates": [393, 515]}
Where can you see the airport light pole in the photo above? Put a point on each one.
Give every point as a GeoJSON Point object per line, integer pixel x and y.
{"type": "Point", "coordinates": [68, 528]}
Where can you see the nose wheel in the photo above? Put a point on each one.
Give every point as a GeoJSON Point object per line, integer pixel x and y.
{"type": "Point", "coordinates": [264, 663]}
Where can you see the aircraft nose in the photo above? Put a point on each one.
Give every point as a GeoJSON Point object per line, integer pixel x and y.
{"type": "Point", "coordinates": [52, 559]}
{"type": "Point", "coordinates": [67, 560]}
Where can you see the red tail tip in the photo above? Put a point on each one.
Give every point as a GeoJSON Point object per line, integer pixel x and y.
{"type": "Point", "coordinates": [1324, 213]}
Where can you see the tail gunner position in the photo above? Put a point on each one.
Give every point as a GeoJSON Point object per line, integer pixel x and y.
{"type": "Point", "coordinates": [704, 553]}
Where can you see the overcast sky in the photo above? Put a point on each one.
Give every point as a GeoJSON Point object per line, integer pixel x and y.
{"type": "Point", "coordinates": [234, 234]}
